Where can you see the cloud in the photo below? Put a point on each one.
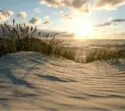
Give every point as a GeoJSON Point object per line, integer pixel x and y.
{"type": "Point", "coordinates": [118, 20]}
{"type": "Point", "coordinates": [22, 15]}
{"type": "Point", "coordinates": [77, 5]}
{"type": "Point", "coordinates": [5, 15]}
{"type": "Point", "coordinates": [46, 22]}
{"type": "Point", "coordinates": [84, 5]}
{"type": "Point", "coordinates": [111, 22]}
{"type": "Point", "coordinates": [35, 21]}
{"type": "Point", "coordinates": [109, 4]}
{"type": "Point", "coordinates": [103, 25]}
{"type": "Point", "coordinates": [60, 34]}
{"type": "Point", "coordinates": [67, 34]}
{"type": "Point", "coordinates": [38, 10]}
{"type": "Point", "coordinates": [66, 15]}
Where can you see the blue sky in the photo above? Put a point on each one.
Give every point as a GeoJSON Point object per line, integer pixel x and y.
{"type": "Point", "coordinates": [100, 19]}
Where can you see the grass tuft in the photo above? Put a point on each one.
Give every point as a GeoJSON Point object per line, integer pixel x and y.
{"type": "Point", "coordinates": [107, 54]}
{"type": "Point", "coordinates": [20, 37]}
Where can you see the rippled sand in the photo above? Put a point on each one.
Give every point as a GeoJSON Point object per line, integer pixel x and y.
{"type": "Point", "coordinates": [30, 81]}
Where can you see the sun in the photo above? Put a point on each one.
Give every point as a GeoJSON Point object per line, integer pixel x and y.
{"type": "Point", "coordinates": [83, 30]}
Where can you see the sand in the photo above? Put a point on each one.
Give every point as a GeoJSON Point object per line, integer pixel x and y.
{"type": "Point", "coordinates": [31, 81]}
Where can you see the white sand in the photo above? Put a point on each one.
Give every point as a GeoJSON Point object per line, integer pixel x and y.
{"type": "Point", "coordinates": [29, 81]}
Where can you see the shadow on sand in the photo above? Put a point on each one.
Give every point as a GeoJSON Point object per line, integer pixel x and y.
{"type": "Point", "coordinates": [53, 78]}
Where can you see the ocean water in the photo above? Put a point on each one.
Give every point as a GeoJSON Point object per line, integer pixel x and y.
{"type": "Point", "coordinates": [79, 43]}
{"type": "Point", "coordinates": [83, 46]}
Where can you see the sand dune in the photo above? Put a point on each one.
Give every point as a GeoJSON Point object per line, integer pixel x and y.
{"type": "Point", "coordinates": [31, 81]}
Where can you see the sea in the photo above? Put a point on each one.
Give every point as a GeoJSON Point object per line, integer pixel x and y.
{"type": "Point", "coordinates": [84, 45]}
{"type": "Point", "coordinates": [88, 43]}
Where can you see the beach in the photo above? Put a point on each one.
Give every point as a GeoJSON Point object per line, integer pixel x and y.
{"type": "Point", "coordinates": [32, 81]}
{"type": "Point", "coordinates": [62, 55]}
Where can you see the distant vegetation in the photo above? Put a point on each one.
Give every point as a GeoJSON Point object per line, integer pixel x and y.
{"type": "Point", "coordinates": [20, 37]}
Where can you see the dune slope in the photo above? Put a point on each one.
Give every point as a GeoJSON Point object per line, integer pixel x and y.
{"type": "Point", "coordinates": [31, 81]}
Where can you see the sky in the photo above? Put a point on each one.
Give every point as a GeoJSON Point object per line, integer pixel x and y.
{"type": "Point", "coordinates": [82, 18]}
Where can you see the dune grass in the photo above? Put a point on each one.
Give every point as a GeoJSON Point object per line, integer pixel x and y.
{"type": "Point", "coordinates": [20, 37]}
{"type": "Point", "coordinates": [105, 54]}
